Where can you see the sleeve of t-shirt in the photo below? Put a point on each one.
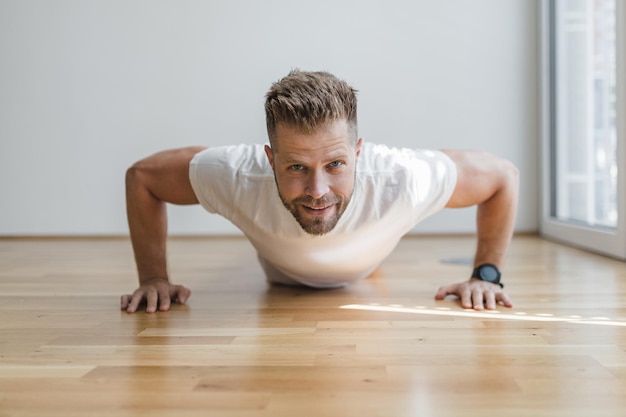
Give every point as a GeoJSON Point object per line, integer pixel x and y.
{"type": "Point", "coordinates": [211, 179]}
{"type": "Point", "coordinates": [434, 177]}
{"type": "Point", "coordinates": [216, 176]}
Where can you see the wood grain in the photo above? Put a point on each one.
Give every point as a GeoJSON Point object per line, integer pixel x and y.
{"type": "Point", "coordinates": [382, 347]}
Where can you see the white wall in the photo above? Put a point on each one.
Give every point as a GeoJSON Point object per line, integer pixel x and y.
{"type": "Point", "coordinates": [88, 87]}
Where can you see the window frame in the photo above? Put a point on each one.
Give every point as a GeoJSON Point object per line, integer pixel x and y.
{"type": "Point", "coordinates": [606, 241]}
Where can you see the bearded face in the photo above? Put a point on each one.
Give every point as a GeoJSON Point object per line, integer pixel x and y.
{"type": "Point", "coordinates": [315, 173]}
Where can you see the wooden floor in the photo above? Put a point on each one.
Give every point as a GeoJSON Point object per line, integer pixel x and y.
{"type": "Point", "coordinates": [383, 347]}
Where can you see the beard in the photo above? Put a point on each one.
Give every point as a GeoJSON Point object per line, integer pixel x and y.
{"type": "Point", "coordinates": [316, 224]}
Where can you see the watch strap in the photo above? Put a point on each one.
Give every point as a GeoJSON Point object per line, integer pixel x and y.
{"type": "Point", "coordinates": [476, 273]}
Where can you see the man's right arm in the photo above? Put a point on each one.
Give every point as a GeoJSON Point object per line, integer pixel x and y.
{"type": "Point", "coordinates": [150, 184]}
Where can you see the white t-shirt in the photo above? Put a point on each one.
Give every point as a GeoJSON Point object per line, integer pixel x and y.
{"type": "Point", "coordinates": [394, 190]}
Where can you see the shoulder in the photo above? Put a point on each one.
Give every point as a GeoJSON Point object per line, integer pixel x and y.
{"type": "Point", "coordinates": [241, 158]}
{"type": "Point", "coordinates": [480, 176]}
{"type": "Point", "coordinates": [377, 158]}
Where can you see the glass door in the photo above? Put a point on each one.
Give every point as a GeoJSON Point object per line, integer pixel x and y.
{"type": "Point", "coordinates": [583, 124]}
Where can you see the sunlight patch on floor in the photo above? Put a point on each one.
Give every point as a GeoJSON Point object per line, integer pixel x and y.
{"type": "Point", "coordinates": [490, 314]}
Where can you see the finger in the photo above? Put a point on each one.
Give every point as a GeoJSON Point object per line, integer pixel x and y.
{"type": "Point", "coordinates": [124, 301]}
{"type": "Point", "coordinates": [183, 294]}
{"type": "Point", "coordinates": [152, 299]}
{"type": "Point", "coordinates": [490, 300]}
{"type": "Point", "coordinates": [137, 298]}
{"type": "Point", "coordinates": [445, 291]}
{"type": "Point", "coordinates": [442, 293]}
{"type": "Point", "coordinates": [164, 299]}
{"type": "Point", "coordinates": [504, 299]}
{"type": "Point", "coordinates": [466, 298]}
{"type": "Point", "coordinates": [477, 298]}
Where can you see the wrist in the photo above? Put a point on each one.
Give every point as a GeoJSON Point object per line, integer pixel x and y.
{"type": "Point", "coordinates": [149, 280]}
{"type": "Point", "coordinates": [489, 273]}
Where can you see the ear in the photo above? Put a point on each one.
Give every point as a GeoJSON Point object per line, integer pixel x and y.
{"type": "Point", "coordinates": [270, 155]}
{"type": "Point", "coordinates": [359, 143]}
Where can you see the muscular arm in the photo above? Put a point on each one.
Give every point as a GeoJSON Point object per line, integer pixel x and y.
{"type": "Point", "coordinates": [492, 184]}
{"type": "Point", "coordinates": [150, 184]}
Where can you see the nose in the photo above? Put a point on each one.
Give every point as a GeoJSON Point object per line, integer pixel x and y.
{"type": "Point", "coordinates": [317, 184]}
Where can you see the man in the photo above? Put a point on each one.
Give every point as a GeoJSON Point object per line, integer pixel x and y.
{"type": "Point", "coordinates": [321, 207]}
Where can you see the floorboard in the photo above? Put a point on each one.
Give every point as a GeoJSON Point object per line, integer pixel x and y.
{"type": "Point", "coordinates": [382, 347]}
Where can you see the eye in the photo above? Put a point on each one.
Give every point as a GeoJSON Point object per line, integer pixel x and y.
{"type": "Point", "coordinates": [336, 164]}
{"type": "Point", "coordinates": [296, 167]}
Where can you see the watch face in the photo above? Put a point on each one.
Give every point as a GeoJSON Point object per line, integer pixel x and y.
{"type": "Point", "coordinates": [489, 273]}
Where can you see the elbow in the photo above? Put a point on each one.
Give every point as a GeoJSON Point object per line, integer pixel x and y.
{"type": "Point", "coordinates": [135, 177]}
{"type": "Point", "coordinates": [511, 173]}
{"type": "Point", "coordinates": [132, 174]}
{"type": "Point", "coordinates": [510, 180]}
{"type": "Point", "coordinates": [138, 184]}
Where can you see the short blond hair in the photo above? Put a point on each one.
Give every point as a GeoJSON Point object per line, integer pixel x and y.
{"type": "Point", "coordinates": [308, 101]}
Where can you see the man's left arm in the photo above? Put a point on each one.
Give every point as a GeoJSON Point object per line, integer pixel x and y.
{"type": "Point", "coordinates": [491, 183]}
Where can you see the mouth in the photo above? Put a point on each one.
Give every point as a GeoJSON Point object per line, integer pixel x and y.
{"type": "Point", "coordinates": [318, 211]}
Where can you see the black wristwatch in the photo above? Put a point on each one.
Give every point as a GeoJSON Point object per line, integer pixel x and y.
{"type": "Point", "coordinates": [489, 273]}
